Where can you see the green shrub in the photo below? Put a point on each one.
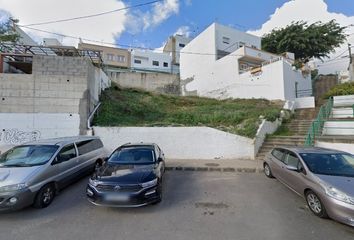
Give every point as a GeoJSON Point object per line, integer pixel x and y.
{"type": "Point", "coordinates": [340, 90]}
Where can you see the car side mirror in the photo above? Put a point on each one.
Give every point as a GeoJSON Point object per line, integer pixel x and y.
{"type": "Point", "coordinates": [301, 169]}
{"type": "Point", "coordinates": [56, 161]}
{"type": "Point", "coordinates": [159, 159]}
{"type": "Point", "coordinates": [292, 168]}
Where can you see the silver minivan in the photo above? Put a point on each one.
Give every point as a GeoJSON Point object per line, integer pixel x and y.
{"type": "Point", "coordinates": [32, 173]}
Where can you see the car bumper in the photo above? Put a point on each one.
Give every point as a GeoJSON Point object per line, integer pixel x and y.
{"type": "Point", "coordinates": [131, 199]}
{"type": "Point", "coordinates": [339, 211]}
{"type": "Point", "coordinates": [24, 199]}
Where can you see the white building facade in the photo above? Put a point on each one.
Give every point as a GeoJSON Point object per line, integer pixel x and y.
{"type": "Point", "coordinates": [223, 62]}
{"type": "Point", "coordinates": [142, 60]}
{"type": "Point", "coordinates": [173, 47]}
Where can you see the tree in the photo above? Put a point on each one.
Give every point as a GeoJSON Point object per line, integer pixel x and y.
{"type": "Point", "coordinates": [306, 41]}
{"type": "Point", "coordinates": [7, 32]}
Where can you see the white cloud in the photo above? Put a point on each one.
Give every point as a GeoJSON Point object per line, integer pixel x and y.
{"type": "Point", "coordinates": [184, 30]}
{"type": "Point", "coordinates": [310, 11]}
{"type": "Point", "coordinates": [103, 28]}
{"type": "Point", "coordinates": [138, 21]}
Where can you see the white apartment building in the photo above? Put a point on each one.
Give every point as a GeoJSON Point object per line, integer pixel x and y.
{"type": "Point", "coordinates": [173, 47]}
{"type": "Point", "coordinates": [223, 62]}
{"type": "Point", "coordinates": [144, 60]}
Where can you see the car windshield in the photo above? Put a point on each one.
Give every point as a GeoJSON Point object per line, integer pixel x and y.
{"type": "Point", "coordinates": [335, 164]}
{"type": "Point", "coordinates": [134, 155]}
{"type": "Point", "coordinates": [27, 155]}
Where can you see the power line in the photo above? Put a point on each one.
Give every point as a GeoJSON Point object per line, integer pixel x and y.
{"type": "Point", "coordinates": [92, 15]}
{"type": "Point", "coordinates": [332, 63]}
{"type": "Point", "coordinates": [123, 45]}
{"type": "Point", "coordinates": [336, 57]}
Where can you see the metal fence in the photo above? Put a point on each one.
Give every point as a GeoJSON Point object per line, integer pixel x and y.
{"type": "Point", "coordinates": [317, 125]}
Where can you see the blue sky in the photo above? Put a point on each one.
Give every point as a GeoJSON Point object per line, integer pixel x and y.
{"type": "Point", "coordinates": [198, 14]}
{"type": "Point", "coordinates": [151, 25]}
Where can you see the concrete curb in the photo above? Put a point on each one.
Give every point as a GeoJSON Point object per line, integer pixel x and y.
{"type": "Point", "coordinates": [215, 169]}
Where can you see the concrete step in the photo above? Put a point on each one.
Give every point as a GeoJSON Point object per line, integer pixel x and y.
{"type": "Point", "coordinates": [286, 137]}
{"type": "Point", "coordinates": [337, 139]}
{"type": "Point", "coordinates": [270, 144]}
{"type": "Point", "coordinates": [284, 140]}
{"type": "Point", "coordinates": [341, 119]}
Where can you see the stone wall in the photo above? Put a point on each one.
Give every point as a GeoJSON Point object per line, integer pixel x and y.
{"type": "Point", "coordinates": [154, 82]}
{"type": "Point", "coordinates": [57, 85]}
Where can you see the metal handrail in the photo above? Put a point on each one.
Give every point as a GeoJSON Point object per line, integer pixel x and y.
{"type": "Point", "coordinates": [89, 120]}
{"type": "Point", "coordinates": [316, 127]}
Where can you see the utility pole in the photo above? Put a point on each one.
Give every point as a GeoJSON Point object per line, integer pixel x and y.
{"type": "Point", "coordinates": [350, 53]}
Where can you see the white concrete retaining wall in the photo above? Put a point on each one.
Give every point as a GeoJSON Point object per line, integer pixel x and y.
{"type": "Point", "coordinates": [338, 146]}
{"type": "Point", "coordinates": [17, 128]}
{"type": "Point", "coordinates": [289, 105]}
{"type": "Point", "coordinates": [305, 102]}
{"type": "Point", "coordinates": [338, 128]}
{"type": "Point", "coordinates": [265, 128]}
{"type": "Point", "coordinates": [342, 101]}
{"type": "Point", "coordinates": [181, 142]}
{"type": "Point", "coordinates": [345, 112]}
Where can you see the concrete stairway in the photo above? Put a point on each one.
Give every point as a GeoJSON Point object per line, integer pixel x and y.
{"type": "Point", "coordinates": [274, 141]}
{"type": "Point", "coordinates": [298, 128]}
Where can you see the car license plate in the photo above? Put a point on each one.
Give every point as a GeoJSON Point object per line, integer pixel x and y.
{"type": "Point", "coordinates": [117, 198]}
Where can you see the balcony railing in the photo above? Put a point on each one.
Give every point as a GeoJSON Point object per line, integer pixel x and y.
{"type": "Point", "coordinates": [19, 49]}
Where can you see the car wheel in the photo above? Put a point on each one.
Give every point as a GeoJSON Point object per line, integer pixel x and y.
{"type": "Point", "coordinates": [267, 170]}
{"type": "Point", "coordinates": [45, 196]}
{"type": "Point", "coordinates": [315, 204]}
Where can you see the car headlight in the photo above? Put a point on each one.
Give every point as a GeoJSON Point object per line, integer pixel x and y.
{"type": "Point", "coordinates": [93, 182]}
{"type": "Point", "coordinates": [338, 195]}
{"type": "Point", "coordinates": [149, 183]}
{"type": "Point", "coordinates": [13, 188]}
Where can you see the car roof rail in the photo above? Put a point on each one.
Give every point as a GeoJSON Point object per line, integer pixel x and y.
{"type": "Point", "coordinates": [125, 144]}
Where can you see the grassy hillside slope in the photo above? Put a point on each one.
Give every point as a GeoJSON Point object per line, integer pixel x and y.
{"type": "Point", "coordinates": [130, 107]}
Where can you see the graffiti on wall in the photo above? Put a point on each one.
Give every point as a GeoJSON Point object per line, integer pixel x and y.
{"type": "Point", "coordinates": [15, 136]}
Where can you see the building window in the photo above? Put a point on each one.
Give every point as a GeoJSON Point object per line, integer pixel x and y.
{"type": "Point", "coordinates": [165, 64]}
{"type": "Point", "coordinates": [155, 63]}
{"type": "Point", "coordinates": [110, 57]}
{"type": "Point", "coordinates": [182, 45]}
{"type": "Point", "coordinates": [120, 58]}
{"type": "Point", "coordinates": [253, 46]}
{"type": "Point", "coordinates": [137, 61]}
{"type": "Point", "coordinates": [243, 66]}
{"type": "Point", "coordinates": [226, 40]}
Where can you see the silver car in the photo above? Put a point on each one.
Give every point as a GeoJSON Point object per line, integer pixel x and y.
{"type": "Point", "coordinates": [324, 177]}
{"type": "Point", "coordinates": [32, 174]}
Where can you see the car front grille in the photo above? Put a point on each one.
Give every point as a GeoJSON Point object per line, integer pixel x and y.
{"type": "Point", "coordinates": [118, 188]}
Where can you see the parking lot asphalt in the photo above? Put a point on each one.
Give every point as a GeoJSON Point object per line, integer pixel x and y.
{"type": "Point", "coordinates": [196, 205]}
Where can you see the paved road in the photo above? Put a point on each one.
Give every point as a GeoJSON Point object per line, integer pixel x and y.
{"type": "Point", "coordinates": [197, 205]}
